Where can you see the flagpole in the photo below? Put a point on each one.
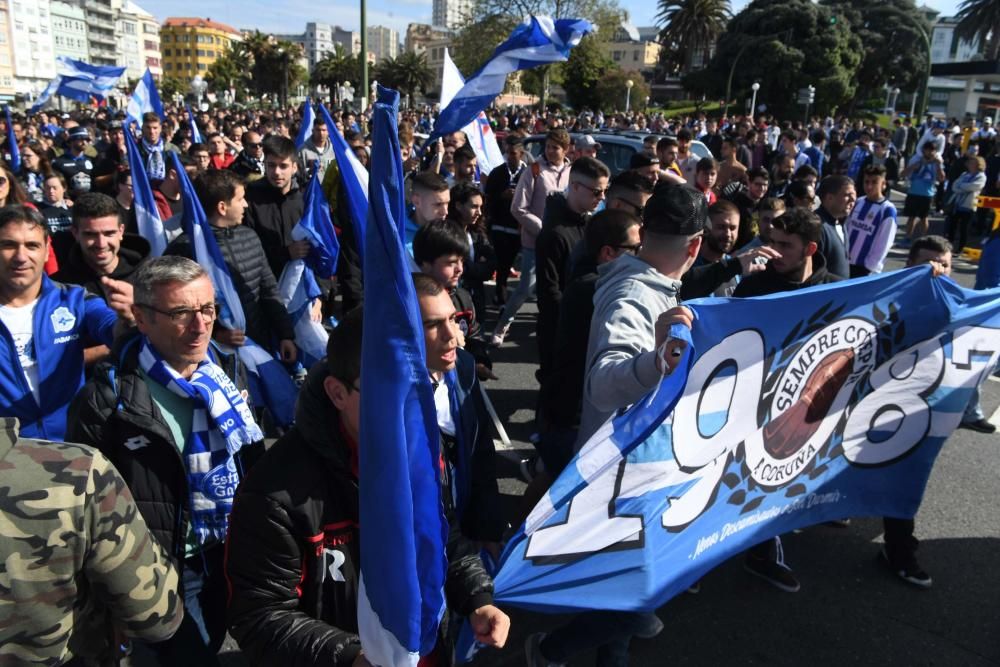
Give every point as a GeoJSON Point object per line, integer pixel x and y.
{"type": "Point", "coordinates": [364, 56]}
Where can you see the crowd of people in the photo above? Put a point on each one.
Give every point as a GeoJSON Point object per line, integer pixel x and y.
{"type": "Point", "coordinates": [126, 408]}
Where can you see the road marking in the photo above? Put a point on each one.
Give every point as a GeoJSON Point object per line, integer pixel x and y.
{"type": "Point", "coordinates": [993, 378]}
{"type": "Point", "coordinates": [995, 419]}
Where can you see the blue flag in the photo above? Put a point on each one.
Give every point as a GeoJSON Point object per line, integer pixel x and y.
{"type": "Point", "coordinates": [835, 404]}
{"type": "Point", "coordinates": [353, 181]}
{"type": "Point", "coordinates": [145, 98]}
{"type": "Point", "coordinates": [12, 147]}
{"type": "Point", "coordinates": [306, 128]}
{"type": "Point", "coordinates": [94, 80]}
{"type": "Point", "coordinates": [270, 383]}
{"type": "Point", "coordinates": [401, 594]}
{"type": "Point", "coordinates": [988, 273]}
{"type": "Point", "coordinates": [196, 137]}
{"type": "Point", "coordinates": [537, 41]}
{"type": "Point", "coordinates": [297, 285]}
{"type": "Point", "coordinates": [147, 216]}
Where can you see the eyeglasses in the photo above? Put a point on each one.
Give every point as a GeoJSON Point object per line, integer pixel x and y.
{"type": "Point", "coordinates": [248, 145]}
{"type": "Point", "coordinates": [631, 249]}
{"type": "Point", "coordinates": [185, 316]}
{"type": "Point", "coordinates": [597, 192]}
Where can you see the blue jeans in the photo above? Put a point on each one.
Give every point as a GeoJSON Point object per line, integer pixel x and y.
{"type": "Point", "coordinates": [203, 629]}
{"type": "Point", "coordinates": [974, 411]}
{"type": "Point", "coordinates": [525, 288]}
{"type": "Point", "coordinates": [608, 631]}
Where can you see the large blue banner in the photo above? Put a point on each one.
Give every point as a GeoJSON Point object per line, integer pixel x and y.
{"type": "Point", "coordinates": [786, 411]}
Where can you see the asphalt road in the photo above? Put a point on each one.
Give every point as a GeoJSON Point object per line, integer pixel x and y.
{"type": "Point", "coordinates": [849, 610]}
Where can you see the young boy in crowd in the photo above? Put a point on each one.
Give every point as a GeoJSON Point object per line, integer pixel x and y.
{"type": "Point", "coordinates": [871, 227]}
{"type": "Point", "coordinates": [439, 250]}
{"type": "Point", "coordinates": [706, 173]}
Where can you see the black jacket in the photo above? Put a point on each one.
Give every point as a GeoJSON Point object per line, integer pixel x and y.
{"type": "Point", "coordinates": [293, 558]}
{"type": "Point", "coordinates": [267, 318]}
{"type": "Point", "coordinates": [467, 317]}
{"type": "Point", "coordinates": [771, 282]}
{"type": "Point", "coordinates": [115, 413]}
{"type": "Point", "coordinates": [479, 270]}
{"type": "Point", "coordinates": [701, 281]}
{"type": "Point", "coordinates": [273, 215]}
{"type": "Point", "coordinates": [831, 247]}
{"type": "Point", "coordinates": [499, 193]}
{"type": "Point", "coordinates": [133, 252]}
{"type": "Point", "coordinates": [244, 166]}
{"type": "Point", "coordinates": [562, 229]}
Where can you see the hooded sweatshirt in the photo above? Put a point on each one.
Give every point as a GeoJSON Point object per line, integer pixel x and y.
{"type": "Point", "coordinates": [621, 359]}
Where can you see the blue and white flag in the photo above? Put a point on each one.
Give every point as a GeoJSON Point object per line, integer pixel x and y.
{"type": "Point", "coordinates": [270, 383]}
{"type": "Point", "coordinates": [787, 411]}
{"type": "Point", "coordinates": [537, 41]}
{"type": "Point", "coordinates": [353, 181]}
{"type": "Point", "coordinates": [196, 137]}
{"type": "Point", "coordinates": [145, 98]}
{"type": "Point", "coordinates": [147, 216]}
{"type": "Point", "coordinates": [297, 285]}
{"type": "Point", "coordinates": [91, 80]}
{"type": "Point", "coordinates": [306, 128]}
{"type": "Point", "coordinates": [12, 148]}
{"type": "Point", "coordinates": [403, 566]}
{"type": "Point", "coordinates": [45, 95]}
{"type": "Point", "coordinates": [480, 134]}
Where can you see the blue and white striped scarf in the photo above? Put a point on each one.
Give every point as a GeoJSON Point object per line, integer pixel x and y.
{"type": "Point", "coordinates": [220, 426]}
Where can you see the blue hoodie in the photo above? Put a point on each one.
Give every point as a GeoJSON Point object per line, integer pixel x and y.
{"type": "Point", "coordinates": [66, 320]}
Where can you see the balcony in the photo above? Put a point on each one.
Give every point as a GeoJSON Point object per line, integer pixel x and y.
{"type": "Point", "coordinates": [101, 38]}
{"type": "Point", "coordinates": [98, 7]}
{"type": "Point", "coordinates": [94, 21]}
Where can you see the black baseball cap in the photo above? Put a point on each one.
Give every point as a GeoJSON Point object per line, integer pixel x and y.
{"type": "Point", "coordinates": [642, 159]}
{"type": "Point", "coordinates": [675, 210]}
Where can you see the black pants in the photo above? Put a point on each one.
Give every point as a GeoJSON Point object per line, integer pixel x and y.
{"type": "Point", "coordinates": [958, 226]}
{"type": "Point", "coordinates": [506, 246]}
{"type": "Point", "coordinates": [899, 540]}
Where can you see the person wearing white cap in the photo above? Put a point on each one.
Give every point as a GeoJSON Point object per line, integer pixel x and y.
{"type": "Point", "coordinates": [586, 146]}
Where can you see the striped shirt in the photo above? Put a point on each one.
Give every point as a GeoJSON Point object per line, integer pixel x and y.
{"type": "Point", "coordinates": [870, 230]}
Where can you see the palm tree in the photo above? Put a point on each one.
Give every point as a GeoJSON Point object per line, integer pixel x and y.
{"type": "Point", "coordinates": [980, 19]}
{"type": "Point", "coordinates": [336, 67]}
{"type": "Point", "coordinates": [407, 73]}
{"type": "Point", "coordinates": [691, 27]}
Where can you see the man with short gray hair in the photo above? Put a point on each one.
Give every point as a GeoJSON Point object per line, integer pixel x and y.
{"type": "Point", "coordinates": [170, 412]}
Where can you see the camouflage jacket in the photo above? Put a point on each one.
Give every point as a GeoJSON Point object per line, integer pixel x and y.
{"type": "Point", "coordinates": [77, 563]}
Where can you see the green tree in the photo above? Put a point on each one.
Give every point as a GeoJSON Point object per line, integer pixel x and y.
{"type": "Point", "coordinates": [227, 73]}
{"type": "Point", "coordinates": [406, 73]}
{"type": "Point", "coordinates": [271, 64]}
{"type": "Point", "coordinates": [605, 14]}
{"type": "Point", "coordinates": [784, 45]}
{"type": "Point", "coordinates": [587, 65]}
{"type": "Point", "coordinates": [690, 28]}
{"type": "Point", "coordinates": [980, 19]}
{"type": "Point", "coordinates": [171, 86]}
{"type": "Point", "coordinates": [337, 67]}
{"type": "Point", "coordinates": [611, 90]}
{"type": "Point", "coordinates": [892, 36]}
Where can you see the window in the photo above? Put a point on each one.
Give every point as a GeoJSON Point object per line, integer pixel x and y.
{"type": "Point", "coordinates": [210, 53]}
{"type": "Point", "coordinates": [187, 52]}
{"type": "Point", "coordinates": [635, 56]}
{"type": "Point", "coordinates": [202, 66]}
{"type": "Point", "coordinates": [185, 38]}
{"type": "Point", "coordinates": [187, 66]}
{"type": "Point", "coordinates": [149, 45]}
{"type": "Point", "coordinates": [617, 55]}
{"type": "Point", "coordinates": [168, 66]}
{"type": "Point", "coordinates": [201, 53]}
{"type": "Point", "coordinates": [166, 52]}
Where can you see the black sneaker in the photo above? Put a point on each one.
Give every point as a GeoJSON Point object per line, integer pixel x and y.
{"type": "Point", "coordinates": [907, 569]}
{"type": "Point", "coordinates": [777, 574]}
{"type": "Point", "coordinates": [981, 425]}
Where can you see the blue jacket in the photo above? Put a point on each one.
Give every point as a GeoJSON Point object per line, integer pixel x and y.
{"type": "Point", "coordinates": [475, 481]}
{"type": "Point", "coordinates": [66, 320]}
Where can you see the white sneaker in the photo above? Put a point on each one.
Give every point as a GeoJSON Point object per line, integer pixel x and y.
{"type": "Point", "coordinates": [496, 340]}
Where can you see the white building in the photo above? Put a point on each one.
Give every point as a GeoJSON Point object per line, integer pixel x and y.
{"type": "Point", "coordinates": [149, 41]}
{"type": "Point", "coordinates": [451, 14]}
{"type": "Point", "coordinates": [383, 42]}
{"type": "Point", "coordinates": [69, 30]}
{"type": "Point", "coordinates": [31, 38]}
{"type": "Point", "coordinates": [101, 43]}
{"type": "Point", "coordinates": [349, 39]}
{"type": "Point", "coordinates": [959, 84]}
{"type": "Point", "coordinates": [128, 43]}
{"type": "Point", "coordinates": [317, 41]}
{"type": "Point", "coordinates": [6, 54]}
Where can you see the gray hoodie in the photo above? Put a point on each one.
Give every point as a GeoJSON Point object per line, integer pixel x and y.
{"type": "Point", "coordinates": [621, 361]}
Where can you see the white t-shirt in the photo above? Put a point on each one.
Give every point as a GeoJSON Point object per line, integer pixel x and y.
{"type": "Point", "coordinates": [442, 401]}
{"type": "Point", "coordinates": [19, 323]}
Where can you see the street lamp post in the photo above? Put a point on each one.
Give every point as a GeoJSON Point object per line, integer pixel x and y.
{"type": "Point", "coordinates": [888, 93]}
{"type": "Point", "coordinates": [753, 100]}
{"type": "Point", "coordinates": [628, 93]}
{"type": "Point", "coordinates": [198, 87]}
{"type": "Point", "coordinates": [892, 104]}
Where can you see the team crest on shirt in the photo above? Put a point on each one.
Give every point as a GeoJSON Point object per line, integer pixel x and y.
{"type": "Point", "coordinates": [62, 319]}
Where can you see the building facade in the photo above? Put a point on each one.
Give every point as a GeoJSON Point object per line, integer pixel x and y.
{"type": "Point", "coordinates": [383, 42]}
{"type": "Point", "coordinates": [128, 49]}
{"type": "Point", "coordinates": [451, 14]}
{"type": "Point", "coordinates": [963, 94]}
{"type": "Point", "coordinates": [631, 52]}
{"type": "Point", "coordinates": [6, 54]}
{"type": "Point", "coordinates": [149, 38]}
{"type": "Point", "coordinates": [349, 39]}
{"type": "Point", "coordinates": [101, 42]}
{"type": "Point", "coordinates": [31, 42]}
{"type": "Point", "coordinates": [420, 35]}
{"type": "Point", "coordinates": [316, 42]}
{"type": "Point", "coordinates": [69, 30]}
{"type": "Point", "coordinates": [190, 45]}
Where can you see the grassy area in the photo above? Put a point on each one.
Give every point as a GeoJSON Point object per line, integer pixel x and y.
{"type": "Point", "coordinates": [708, 107]}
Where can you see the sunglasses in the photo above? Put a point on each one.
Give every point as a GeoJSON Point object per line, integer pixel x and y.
{"type": "Point", "coordinates": [632, 249]}
{"type": "Point", "coordinates": [597, 192]}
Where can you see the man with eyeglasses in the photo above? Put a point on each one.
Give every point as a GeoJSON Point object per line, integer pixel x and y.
{"type": "Point", "coordinates": [170, 411]}
{"type": "Point", "coordinates": [45, 327]}
{"type": "Point", "coordinates": [75, 165]}
{"type": "Point", "coordinates": [249, 163]}
{"type": "Point", "coordinates": [562, 229]}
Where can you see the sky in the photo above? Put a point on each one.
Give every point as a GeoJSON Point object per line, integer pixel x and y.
{"type": "Point", "coordinates": [290, 16]}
